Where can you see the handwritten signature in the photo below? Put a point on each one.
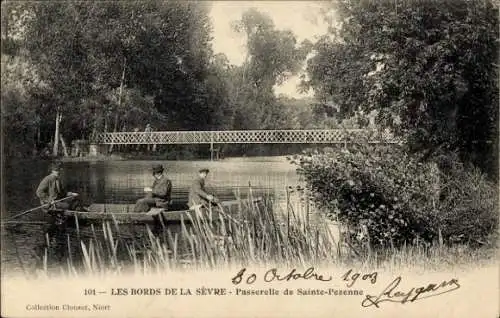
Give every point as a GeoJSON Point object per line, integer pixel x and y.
{"type": "Point", "coordinates": [390, 294]}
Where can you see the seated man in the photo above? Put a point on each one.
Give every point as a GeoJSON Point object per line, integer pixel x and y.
{"type": "Point", "coordinates": [197, 193]}
{"type": "Point", "coordinates": [50, 190]}
{"type": "Point", "coordinates": [158, 195]}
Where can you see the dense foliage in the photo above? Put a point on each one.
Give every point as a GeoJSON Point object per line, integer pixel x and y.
{"type": "Point", "coordinates": [397, 199]}
{"type": "Point", "coordinates": [430, 69]}
{"type": "Point", "coordinates": [85, 67]}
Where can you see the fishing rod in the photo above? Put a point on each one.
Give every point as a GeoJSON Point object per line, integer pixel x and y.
{"type": "Point", "coordinates": [15, 222]}
{"type": "Point", "coordinates": [39, 207]}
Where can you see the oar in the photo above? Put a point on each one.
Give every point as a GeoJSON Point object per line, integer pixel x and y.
{"type": "Point", "coordinates": [38, 207]}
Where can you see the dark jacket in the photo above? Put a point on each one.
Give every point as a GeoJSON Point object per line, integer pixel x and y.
{"type": "Point", "coordinates": [162, 189]}
{"type": "Point", "coordinates": [197, 193]}
{"type": "Point", "coordinates": [49, 189]}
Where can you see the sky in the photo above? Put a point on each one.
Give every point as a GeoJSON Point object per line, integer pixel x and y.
{"type": "Point", "coordinates": [301, 17]}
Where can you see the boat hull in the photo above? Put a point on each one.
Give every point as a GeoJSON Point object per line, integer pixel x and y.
{"type": "Point", "coordinates": [120, 213]}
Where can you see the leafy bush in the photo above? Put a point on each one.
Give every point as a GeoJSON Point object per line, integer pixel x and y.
{"type": "Point", "coordinates": [398, 199]}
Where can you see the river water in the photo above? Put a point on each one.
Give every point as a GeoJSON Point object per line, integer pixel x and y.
{"type": "Point", "coordinates": [123, 182]}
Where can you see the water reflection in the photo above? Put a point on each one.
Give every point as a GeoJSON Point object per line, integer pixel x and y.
{"type": "Point", "coordinates": [123, 182]}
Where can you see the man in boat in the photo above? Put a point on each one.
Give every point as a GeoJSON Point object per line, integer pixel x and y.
{"type": "Point", "coordinates": [159, 195]}
{"type": "Point", "coordinates": [198, 196]}
{"type": "Point", "coordinates": [51, 192]}
{"type": "Point", "coordinates": [55, 200]}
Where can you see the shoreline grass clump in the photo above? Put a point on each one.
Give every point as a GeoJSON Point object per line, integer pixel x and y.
{"type": "Point", "coordinates": [255, 234]}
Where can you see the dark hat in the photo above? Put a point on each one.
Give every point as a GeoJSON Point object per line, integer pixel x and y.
{"type": "Point", "coordinates": [157, 169]}
{"type": "Point", "coordinates": [204, 170]}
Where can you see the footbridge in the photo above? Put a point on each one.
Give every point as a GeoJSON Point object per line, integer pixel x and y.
{"type": "Point", "coordinates": [310, 136]}
{"type": "Point", "coordinates": [283, 136]}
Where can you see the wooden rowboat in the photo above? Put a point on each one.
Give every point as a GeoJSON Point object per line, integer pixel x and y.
{"type": "Point", "coordinates": [121, 213]}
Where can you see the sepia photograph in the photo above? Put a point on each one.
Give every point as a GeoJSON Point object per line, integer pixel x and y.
{"type": "Point", "coordinates": [250, 158]}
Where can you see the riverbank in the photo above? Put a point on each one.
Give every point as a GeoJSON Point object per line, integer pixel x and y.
{"type": "Point", "coordinates": [115, 157]}
{"type": "Point", "coordinates": [93, 158]}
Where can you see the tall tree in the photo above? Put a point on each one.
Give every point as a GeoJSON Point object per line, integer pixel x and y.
{"type": "Point", "coordinates": [272, 57]}
{"type": "Point", "coordinates": [57, 48]}
{"type": "Point", "coordinates": [428, 67]}
{"type": "Point", "coordinates": [22, 120]}
{"type": "Point", "coordinates": [116, 64]}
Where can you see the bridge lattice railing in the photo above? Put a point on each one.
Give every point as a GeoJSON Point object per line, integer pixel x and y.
{"type": "Point", "coordinates": [315, 136]}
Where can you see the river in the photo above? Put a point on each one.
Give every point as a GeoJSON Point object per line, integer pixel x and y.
{"type": "Point", "coordinates": [123, 182]}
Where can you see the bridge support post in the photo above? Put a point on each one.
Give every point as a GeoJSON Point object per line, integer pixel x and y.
{"type": "Point", "coordinates": [211, 151]}
{"type": "Point", "coordinates": [94, 150]}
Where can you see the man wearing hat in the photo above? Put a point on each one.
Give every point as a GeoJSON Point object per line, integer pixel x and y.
{"type": "Point", "coordinates": [50, 189]}
{"type": "Point", "coordinates": [54, 198]}
{"type": "Point", "coordinates": [158, 195]}
{"type": "Point", "coordinates": [197, 193]}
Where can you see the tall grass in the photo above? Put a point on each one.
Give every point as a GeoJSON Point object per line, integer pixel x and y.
{"type": "Point", "coordinates": [257, 233]}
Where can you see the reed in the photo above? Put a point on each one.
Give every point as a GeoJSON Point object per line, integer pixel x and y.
{"type": "Point", "coordinates": [260, 234]}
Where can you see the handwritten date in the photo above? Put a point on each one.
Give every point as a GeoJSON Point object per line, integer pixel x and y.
{"type": "Point", "coordinates": [273, 275]}
{"type": "Point", "coordinates": [351, 277]}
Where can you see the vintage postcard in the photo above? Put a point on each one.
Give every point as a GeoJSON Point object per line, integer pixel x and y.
{"type": "Point", "coordinates": [250, 158]}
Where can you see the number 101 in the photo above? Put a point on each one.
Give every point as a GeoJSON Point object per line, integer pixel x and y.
{"type": "Point", "coordinates": [89, 291]}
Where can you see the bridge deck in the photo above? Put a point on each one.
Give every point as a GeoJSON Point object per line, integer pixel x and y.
{"type": "Point", "coordinates": [327, 136]}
